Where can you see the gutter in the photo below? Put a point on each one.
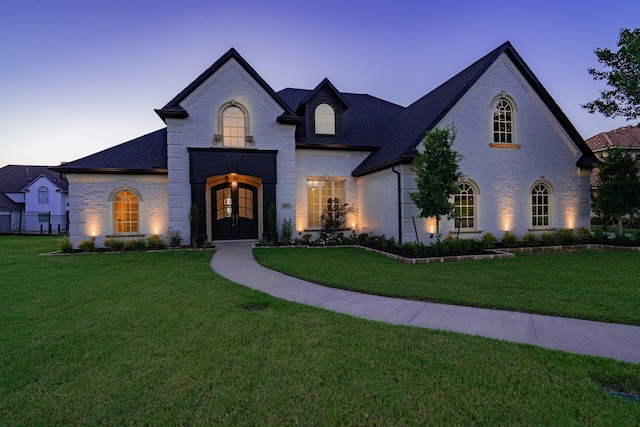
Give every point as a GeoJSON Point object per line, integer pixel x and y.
{"type": "Point", "coordinates": [393, 169]}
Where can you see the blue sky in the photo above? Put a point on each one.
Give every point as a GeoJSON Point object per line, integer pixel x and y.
{"type": "Point", "coordinates": [77, 77]}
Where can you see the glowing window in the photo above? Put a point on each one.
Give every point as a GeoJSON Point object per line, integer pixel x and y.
{"type": "Point", "coordinates": [233, 127]}
{"type": "Point", "coordinates": [540, 206]}
{"type": "Point", "coordinates": [503, 122]}
{"type": "Point", "coordinates": [125, 211]}
{"type": "Point", "coordinates": [325, 120]}
{"type": "Point", "coordinates": [464, 207]}
{"type": "Point", "coordinates": [323, 197]}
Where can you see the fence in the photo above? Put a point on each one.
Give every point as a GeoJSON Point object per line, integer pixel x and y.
{"type": "Point", "coordinates": [17, 221]}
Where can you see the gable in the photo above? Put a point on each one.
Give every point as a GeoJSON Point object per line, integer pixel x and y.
{"type": "Point", "coordinates": [407, 128]}
{"type": "Point", "coordinates": [176, 108]}
{"type": "Point", "coordinates": [15, 178]}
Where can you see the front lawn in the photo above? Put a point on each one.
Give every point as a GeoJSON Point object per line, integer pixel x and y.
{"type": "Point", "coordinates": [159, 339]}
{"type": "Point", "coordinates": [587, 284]}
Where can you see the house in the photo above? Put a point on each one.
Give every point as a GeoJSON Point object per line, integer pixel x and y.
{"type": "Point", "coordinates": [32, 199]}
{"type": "Point", "coordinates": [233, 147]}
{"type": "Point", "coordinates": [626, 137]}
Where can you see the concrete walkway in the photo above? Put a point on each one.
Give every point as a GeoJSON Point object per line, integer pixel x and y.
{"type": "Point", "coordinates": [235, 261]}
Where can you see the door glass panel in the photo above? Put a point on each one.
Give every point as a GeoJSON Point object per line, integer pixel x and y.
{"type": "Point", "coordinates": [223, 203]}
{"type": "Point", "coordinates": [245, 203]}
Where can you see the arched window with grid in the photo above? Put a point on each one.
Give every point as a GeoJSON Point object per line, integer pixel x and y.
{"type": "Point", "coordinates": [503, 122]}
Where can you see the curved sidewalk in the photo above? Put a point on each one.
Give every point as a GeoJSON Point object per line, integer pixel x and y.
{"type": "Point", "coordinates": [235, 261]}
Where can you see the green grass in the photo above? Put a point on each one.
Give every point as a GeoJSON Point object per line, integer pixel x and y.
{"type": "Point", "coordinates": [158, 338]}
{"type": "Point", "coordinates": [589, 284]}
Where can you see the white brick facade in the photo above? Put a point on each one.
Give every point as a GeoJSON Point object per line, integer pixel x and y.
{"type": "Point", "coordinates": [327, 164]}
{"type": "Point", "coordinates": [542, 151]}
{"type": "Point", "coordinates": [230, 83]}
{"type": "Point", "coordinates": [505, 176]}
{"type": "Point", "coordinates": [91, 204]}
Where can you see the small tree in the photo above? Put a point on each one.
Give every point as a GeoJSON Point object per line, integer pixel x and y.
{"type": "Point", "coordinates": [333, 220]}
{"type": "Point", "coordinates": [622, 99]}
{"type": "Point", "coordinates": [273, 224]}
{"type": "Point", "coordinates": [194, 218]}
{"type": "Point", "coordinates": [437, 175]}
{"type": "Point", "coordinates": [618, 192]}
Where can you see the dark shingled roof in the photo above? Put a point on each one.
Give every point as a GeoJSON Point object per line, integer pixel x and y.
{"type": "Point", "coordinates": [390, 131]}
{"type": "Point", "coordinates": [364, 122]}
{"type": "Point", "coordinates": [15, 178]}
{"type": "Point", "coordinates": [7, 203]}
{"type": "Point", "coordinates": [146, 154]}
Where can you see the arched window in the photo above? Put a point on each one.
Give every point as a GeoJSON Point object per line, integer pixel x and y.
{"type": "Point", "coordinates": [540, 205]}
{"type": "Point", "coordinates": [325, 120]}
{"type": "Point", "coordinates": [464, 207]}
{"type": "Point", "coordinates": [43, 195]}
{"type": "Point", "coordinates": [503, 122]}
{"type": "Point", "coordinates": [233, 126]}
{"type": "Point", "coordinates": [125, 212]}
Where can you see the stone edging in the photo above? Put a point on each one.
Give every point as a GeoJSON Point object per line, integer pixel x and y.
{"type": "Point", "coordinates": [498, 253]}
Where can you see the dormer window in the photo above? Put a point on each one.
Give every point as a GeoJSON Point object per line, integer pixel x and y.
{"type": "Point", "coordinates": [325, 120]}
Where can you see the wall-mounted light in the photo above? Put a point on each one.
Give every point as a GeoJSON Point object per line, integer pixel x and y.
{"type": "Point", "coordinates": [234, 184]}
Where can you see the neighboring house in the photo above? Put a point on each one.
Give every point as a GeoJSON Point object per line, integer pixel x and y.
{"type": "Point", "coordinates": [626, 137]}
{"type": "Point", "coordinates": [32, 199]}
{"type": "Point", "coordinates": [233, 147]}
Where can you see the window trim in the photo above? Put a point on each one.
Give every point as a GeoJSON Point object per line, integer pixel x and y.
{"type": "Point", "coordinates": [503, 97]}
{"type": "Point", "coordinates": [218, 138]}
{"type": "Point", "coordinates": [42, 190]}
{"type": "Point", "coordinates": [329, 112]}
{"type": "Point", "coordinates": [549, 205]}
{"type": "Point", "coordinates": [310, 179]}
{"type": "Point", "coordinates": [476, 193]}
{"type": "Point", "coordinates": [112, 199]}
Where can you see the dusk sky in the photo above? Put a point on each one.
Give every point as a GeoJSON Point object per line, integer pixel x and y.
{"type": "Point", "coordinates": [77, 77]}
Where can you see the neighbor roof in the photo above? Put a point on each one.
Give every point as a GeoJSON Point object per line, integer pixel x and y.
{"type": "Point", "coordinates": [624, 137]}
{"type": "Point", "coordinates": [146, 154]}
{"type": "Point", "coordinates": [7, 203]}
{"type": "Point", "coordinates": [15, 178]}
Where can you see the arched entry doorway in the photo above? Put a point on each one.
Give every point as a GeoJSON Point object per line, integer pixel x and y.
{"type": "Point", "coordinates": [234, 209]}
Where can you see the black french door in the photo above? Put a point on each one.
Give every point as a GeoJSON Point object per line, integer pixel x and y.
{"type": "Point", "coordinates": [234, 211]}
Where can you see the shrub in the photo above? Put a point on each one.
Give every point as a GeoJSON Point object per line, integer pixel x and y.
{"type": "Point", "coordinates": [156, 242]}
{"type": "Point", "coordinates": [489, 240]}
{"type": "Point", "coordinates": [334, 219]}
{"type": "Point", "coordinates": [441, 248]}
{"type": "Point", "coordinates": [415, 249]}
{"type": "Point", "coordinates": [174, 238]}
{"type": "Point", "coordinates": [583, 235]}
{"type": "Point", "coordinates": [549, 239]}
{"type": "Point", "coordinates": [138, 244]}
{"type": "Point", "coordinates": [626, 239]}
{"type": "Point", "coordinates": [65, 245]}
{"type": "Point", "coordinates": [194, 218]}
{"type": "Point", "coordinates": [478, 246]}
{"type": "Point", "coordinates": [87, 245]}
{"type": "Point", "coordinates": [114, 244]}
{"type": "Point", "coordinates": [287, 231]}
{"type": "Point", "coordinates": [363, 239]}
{"type": "Point", "coordinates": [509, 240]}
{"type": "Point", "coordinates": [273, 225]}
{"type": "Point", "coordinates": [530, 239]}
{"type": "Point", "coordinates": [566, 237]}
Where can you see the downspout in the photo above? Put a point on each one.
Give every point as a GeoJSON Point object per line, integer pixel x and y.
{"type": "Point", "coordinates": [393, 169]}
